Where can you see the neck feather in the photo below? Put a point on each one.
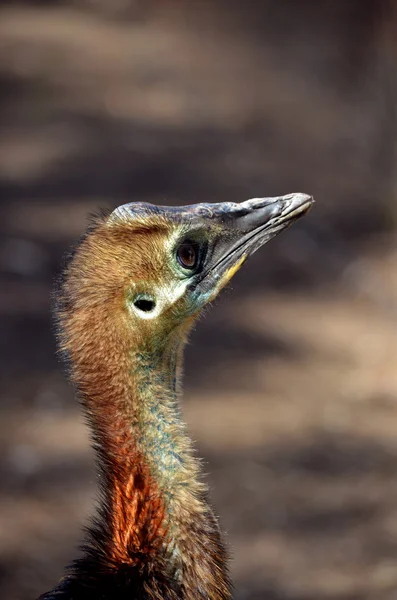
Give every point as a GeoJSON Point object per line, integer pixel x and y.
{"type": "Point", "coordinates": [142, 441]}
{"type": "Point", "coordinates": [159, 429]}
{"type": "Point", "coordinates": [153, 508]}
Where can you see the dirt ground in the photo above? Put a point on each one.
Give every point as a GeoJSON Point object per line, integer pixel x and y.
{"type": "Point", "coordinates": [291, 379]}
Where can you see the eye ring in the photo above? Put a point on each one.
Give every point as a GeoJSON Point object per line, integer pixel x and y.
{"type": "Point", "coordinates": [188, 254]}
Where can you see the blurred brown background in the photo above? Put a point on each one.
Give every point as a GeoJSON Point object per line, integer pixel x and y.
{"type": "Point", "coordinates": [291, 380]}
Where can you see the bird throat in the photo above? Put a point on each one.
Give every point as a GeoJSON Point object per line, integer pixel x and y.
{"type": "Point", "coordinates": [159, 429]}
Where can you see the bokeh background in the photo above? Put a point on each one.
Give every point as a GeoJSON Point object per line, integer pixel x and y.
{"type": "Point", "coordinates": [291, 379]}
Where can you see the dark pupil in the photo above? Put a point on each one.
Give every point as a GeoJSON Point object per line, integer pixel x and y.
{"type": "Point", "coordinates": [187, 255]}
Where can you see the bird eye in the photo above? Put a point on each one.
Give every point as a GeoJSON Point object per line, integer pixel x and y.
{"type": "Point", "coordinates": [188, 254]}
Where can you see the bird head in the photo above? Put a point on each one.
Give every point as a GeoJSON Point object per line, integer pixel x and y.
{"type": "Point", "coordinates": [159, 266]}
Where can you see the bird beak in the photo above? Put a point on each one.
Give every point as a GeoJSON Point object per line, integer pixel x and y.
{"type": "Point", "coordinates": [244, 228]}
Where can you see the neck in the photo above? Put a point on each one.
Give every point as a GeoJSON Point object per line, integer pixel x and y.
{"type": "Point", "coordinates": [154, 505]}
{"type": "Point", "coordinates": [158, 427]}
